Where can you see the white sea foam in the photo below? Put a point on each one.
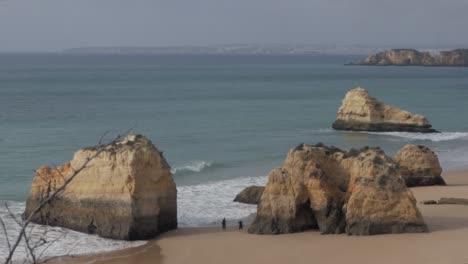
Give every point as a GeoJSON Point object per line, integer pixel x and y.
{"type": "Point", "coordinates": [204, 204]}
{"type": "Point", "coordinates": [68, 241]}
{"type": "Point", "coordinates": [198, 205]}
{"type": "Point", "coordinates": [435, 137]}
{"type": "Point", "coordinates": [194, 166]}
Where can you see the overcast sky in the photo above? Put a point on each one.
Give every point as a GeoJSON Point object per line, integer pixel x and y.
{"type": "Point", "coordinates": [56, 24]}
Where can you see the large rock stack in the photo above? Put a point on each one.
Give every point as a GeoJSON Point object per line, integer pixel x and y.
{"type": "Point", "coordinates": [319, 187]}
{"type": "Point", "coordinates": [361, 112]}
{"type": "Point", "coordinates": [125, 192]}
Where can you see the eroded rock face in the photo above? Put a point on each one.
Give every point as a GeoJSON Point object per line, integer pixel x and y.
{"type": "Point", "coordinates": [378, 200]}
{"type": "Point", "coordinates": [250, 195]}
{"type": "Point", "coordinates": [361, 112]}
{"type": "Point", "coordinates": [419, 166]}
{"type": "Point", "coordinates": [320, 187]}
{"type": "Point", "coordinates": [457, 57]}
{"type": "Point", "coordinates": [400, 57]}
{"type": "Point", "coordinates": [126, 192]}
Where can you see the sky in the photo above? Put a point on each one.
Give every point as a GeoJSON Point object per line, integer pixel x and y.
{"type": "Point", "coordinates": [50, 25]}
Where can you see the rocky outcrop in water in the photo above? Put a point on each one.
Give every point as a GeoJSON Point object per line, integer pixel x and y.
{"type": "Point", "coordinates": [457, 57]}
{"type": "Point", "coordinates": [126, 192]}
{"type": "Point", "coordinates": [408, 57]}
{"type": "Point", "coordinates": [359, 192]}
{"type": "Point", "coordinates": [250, 195]}
{"type": "Point", "coordinates": [419, 166]}
{"type": "Point", "coordinates": [361, 112]}
{"type": "Point", "coordinates": [400, 57]}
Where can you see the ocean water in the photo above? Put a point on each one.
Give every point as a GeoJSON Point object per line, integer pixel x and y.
{"type": "Point", "coordinates": [223, 122]}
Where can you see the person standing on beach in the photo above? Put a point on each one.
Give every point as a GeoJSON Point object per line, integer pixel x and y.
{"type": "Point", "coordinates": [241, 225]}
{"type": "Point", "coordinates": [223, 223]}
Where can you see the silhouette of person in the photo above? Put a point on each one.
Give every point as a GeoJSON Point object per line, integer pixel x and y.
{"type": "Point", "coordinates": [241, 225]}
{"type": "Point", "coordinates": [223, 223]}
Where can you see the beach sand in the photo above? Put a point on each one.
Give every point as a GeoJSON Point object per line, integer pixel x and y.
{"type": "Point", "coordinates": [446, 243]}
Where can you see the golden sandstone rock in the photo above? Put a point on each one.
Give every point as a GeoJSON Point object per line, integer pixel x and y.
{"type": "Point", "coordinates": [126, 192]}
{"type": "Point", "coordinates": [319, 187]}
{"type": "Point", "coordinates": [361, 112]}
{"type": "Point", "coordinates": [419, 166]}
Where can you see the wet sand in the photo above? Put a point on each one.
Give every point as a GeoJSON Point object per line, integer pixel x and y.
{"type": "Point", "coordinates": [446, 243]}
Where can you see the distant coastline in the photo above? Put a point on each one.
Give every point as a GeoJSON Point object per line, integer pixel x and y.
{"type": "Point", "coordinates": [240, 49]}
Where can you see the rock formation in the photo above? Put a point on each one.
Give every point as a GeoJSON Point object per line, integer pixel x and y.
{"type": "Point", "coordinates": [457, 57]}
{"type": "Point", "coordinates": [378, 200]}
{"type": "Point", "coordinates": [407, 57]}
{"type": "Point", "coordinates": [250, 195]}
{"type": "Point", "coordinates": [419, 166]}
{"type": "Point", "coordinates": [325, 188]}
{"type": "Point", "coordinates": [361, 112]}
{"type": "Point", "coordinates": [126, 192]}
{"type": "Point", "coordinates": [400, 57]}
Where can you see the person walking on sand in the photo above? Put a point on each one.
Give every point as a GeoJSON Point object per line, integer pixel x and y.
{"type": "Point", "coordinates": [241, 225]}
{"type": "Point", "coordinates": [223, 223]}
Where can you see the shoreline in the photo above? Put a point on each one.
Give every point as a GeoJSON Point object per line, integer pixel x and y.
{"type": "Point", "coordinates": [445, 243]}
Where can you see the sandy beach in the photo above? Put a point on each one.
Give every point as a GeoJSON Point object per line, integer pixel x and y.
{"type": "Point", "coordinates": [446, 243]}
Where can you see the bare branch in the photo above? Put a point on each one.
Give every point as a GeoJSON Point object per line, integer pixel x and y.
{"type": "Point", "coordinates": [26, 239]}
{"type": "Point", "coordinates": [50, 244]}
{"type": "Point", "coordinates": [22, 233]}
{"type": "Point", "coordinates": [102, 138]}
{"type": "Point", "coordinates": [5, 232]}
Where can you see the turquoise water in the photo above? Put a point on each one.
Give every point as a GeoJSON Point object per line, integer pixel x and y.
{"type": "Point", "coordinates": [231, 116]}
{"type": "Point", "coordinates": [223, 122]}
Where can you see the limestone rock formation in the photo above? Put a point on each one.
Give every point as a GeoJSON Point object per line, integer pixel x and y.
{"type": "Point", "coordinates": [400, 57]}
{"type": "Point", "coordinates": [361, 112]}
{"type": "Point", "coordinates": [378, 200]}
{"type": "Point", "coordinates": [250, 195]}
{"type": "Point", "coordinates": [126, 192]}
{"type": "Point", "coordinates": [332, 190]}
{"type": "Point", "coordinates": [419, 166]}
{"type": "Point", "coordinates": [457, 57]}
{"type": "Point", "coordinates": [408, 57]}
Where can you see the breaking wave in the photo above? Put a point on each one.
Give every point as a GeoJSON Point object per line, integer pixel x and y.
{"type": "Point", "coordinates": [435, 137]}
{"type": "Point", "coordinates": [204, 204]}
{"type": "Point", "coordinates": [194, 166]}
{"type": "Point", "coordinates": [61, 241]}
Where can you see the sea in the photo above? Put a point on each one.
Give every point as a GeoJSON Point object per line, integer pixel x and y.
{"type": "Point", "coordinates": [222, 121]}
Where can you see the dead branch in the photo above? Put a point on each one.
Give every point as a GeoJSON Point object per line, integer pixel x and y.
{"type": "Point", "coordinates": [24, 224]}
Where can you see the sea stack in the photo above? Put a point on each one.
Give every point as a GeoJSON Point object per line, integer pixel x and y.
{"type": "Point", "coordinates": [419, 166]}
{"type": "Point", "coordinates": [126, 192]}
{"type": "Point", "coordinates": [359, 192]}
{"type": "Point", "coordinates": [361, 112]}
{"type": "Point", "coordinates": [412, 57]}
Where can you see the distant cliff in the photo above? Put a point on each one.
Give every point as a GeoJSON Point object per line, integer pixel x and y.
{"type": "Point", "coordinates": [407, 57]}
